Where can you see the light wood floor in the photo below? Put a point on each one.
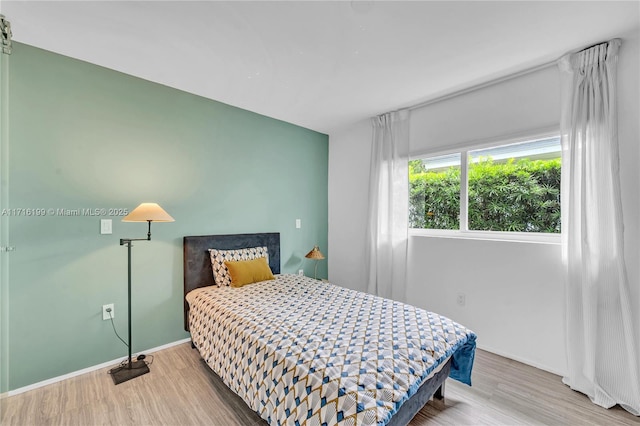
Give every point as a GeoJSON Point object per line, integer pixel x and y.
{"type": "Point", "coordinates": [181, 390]}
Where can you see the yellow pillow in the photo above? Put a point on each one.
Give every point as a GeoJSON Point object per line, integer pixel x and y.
{"type": "Point", "coordinates": [244, 272]}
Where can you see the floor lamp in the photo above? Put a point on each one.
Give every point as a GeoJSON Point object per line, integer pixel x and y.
{"type": "Point", "coordinates": [145, 212]}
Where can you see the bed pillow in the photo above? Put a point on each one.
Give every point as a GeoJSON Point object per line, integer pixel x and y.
{"type": "Point", "coordinates": [218, 257]}
{"type": "Point", "coordinates": [243, 272]}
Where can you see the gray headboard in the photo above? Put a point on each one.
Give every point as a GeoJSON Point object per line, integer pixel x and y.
{"type": "Point", "coordinates": [197, 264]}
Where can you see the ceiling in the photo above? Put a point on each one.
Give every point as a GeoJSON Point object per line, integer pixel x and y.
{"type": "Point", "coordinates": [320, 65]}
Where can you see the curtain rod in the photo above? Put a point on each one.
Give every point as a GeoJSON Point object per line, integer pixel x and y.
{"type": "Point", "coordinates": [494, 81]}
{"type": "Point", "coordinates": [482, 85]}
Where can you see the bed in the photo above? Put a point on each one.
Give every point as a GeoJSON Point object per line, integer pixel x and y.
{"type": "Point", "coordinates": [302, 351]}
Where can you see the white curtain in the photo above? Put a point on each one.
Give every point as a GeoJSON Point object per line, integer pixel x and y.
{"type": "Point", "coordinates": [601, 348]}
{"type": "Point", "coordinates": [387, 237]}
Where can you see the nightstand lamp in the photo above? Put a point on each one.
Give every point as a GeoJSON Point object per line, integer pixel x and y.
{"type": "Point", "coordinates": [316, 255]}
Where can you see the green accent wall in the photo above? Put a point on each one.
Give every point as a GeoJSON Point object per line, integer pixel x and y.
{"type": "Point", "coordinates": [86, 137]}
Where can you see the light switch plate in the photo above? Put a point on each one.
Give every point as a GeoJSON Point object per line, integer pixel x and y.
{"type": "Point", "coordinates": [106, 226]}
{"type": "Point", "coordinates": [298, 223]}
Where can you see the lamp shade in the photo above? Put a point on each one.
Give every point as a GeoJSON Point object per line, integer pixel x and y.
{"type": "Point", "coordinates": [146, 212]}
{"type": "Point", "coordinates": [315, 253]}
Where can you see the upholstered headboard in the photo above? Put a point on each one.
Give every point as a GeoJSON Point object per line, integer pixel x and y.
{"type": "Point", "coordinates": [197, 263]}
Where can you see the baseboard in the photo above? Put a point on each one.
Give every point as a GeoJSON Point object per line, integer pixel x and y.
{"type": "Point", "coordinates": [86, 370]}
{"type": "Point", "coordinates": [522, 360]}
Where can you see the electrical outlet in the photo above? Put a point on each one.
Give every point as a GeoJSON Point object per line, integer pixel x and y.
{"type": "Point", "coordinates": [300, 271]}
{"type": "Point", "coordinates": [461, 299]}
{"type": "Point", "coordinates": [105, 314]}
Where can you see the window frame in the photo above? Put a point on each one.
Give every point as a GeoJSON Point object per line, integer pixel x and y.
{"type": "Point", "coordinates": [464, 232]}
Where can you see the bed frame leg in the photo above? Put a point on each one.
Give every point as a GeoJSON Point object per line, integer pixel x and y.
{"type": "Point", "coordinates": [192, 345]}
{"type": "Point", "coordinates": [439, 392]}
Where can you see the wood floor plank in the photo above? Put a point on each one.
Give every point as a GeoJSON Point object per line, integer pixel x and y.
{"type": "Point", "coordinates": [181, 390]}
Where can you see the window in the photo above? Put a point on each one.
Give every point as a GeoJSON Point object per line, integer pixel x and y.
{"type": "Point", "coordinates": [434, 192]}
{"type": "Point", "coordinates": [506, 188]}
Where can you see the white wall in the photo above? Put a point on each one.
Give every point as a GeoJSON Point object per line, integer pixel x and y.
{"type": "Point", "coordinates": [514, 290]}
{"type": "Point", "coordinates": [349, 158]}
{"type": "Point", "coordinates": [514, 293]}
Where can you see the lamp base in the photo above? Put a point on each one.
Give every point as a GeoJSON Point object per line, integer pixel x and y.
{"type": "Point", "coordinates": [128, 372]}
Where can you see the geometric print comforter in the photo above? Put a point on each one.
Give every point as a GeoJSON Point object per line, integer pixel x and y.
{"type": "Point", "coordinates": [304, 352]}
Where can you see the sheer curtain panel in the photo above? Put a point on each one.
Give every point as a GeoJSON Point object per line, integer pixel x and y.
{"type": "Point", "coordinates": [388, 220]}
{"type": "Point", "coordinates": [601, 347]}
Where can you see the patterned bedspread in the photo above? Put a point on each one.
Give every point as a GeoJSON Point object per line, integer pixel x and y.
{"type": "Point", "coordinates": [300, 351]}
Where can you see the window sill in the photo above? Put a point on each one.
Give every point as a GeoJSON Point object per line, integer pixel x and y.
{"type": "Point", "coordinates": [520, 237]}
